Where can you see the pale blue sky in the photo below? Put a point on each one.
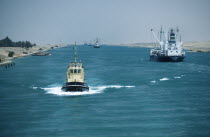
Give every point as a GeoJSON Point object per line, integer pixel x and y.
{"type": "Point", "coordinates": [113, 21]}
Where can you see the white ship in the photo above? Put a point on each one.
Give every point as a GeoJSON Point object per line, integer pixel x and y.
{"type": "Point", "coordinates": [169, 48]}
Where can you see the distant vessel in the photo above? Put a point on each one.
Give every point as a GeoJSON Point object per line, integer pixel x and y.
{"type": "Point", "coordinates": [90, 44]}
{"type": "Point", "coordinates": [97, 44]}
{"type": "Point", "coordinates": [41, 54]}
{"type": "Point", "coordinates": [169, 48]}
{"type": "Point", "coordinates": [75, 80]}
{"type": "Point", "coordinates": [85, 43]}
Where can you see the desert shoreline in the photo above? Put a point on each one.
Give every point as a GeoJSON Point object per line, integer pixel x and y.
{"type": "Point", "coordinates": [188, 46]}
{"type": "Point", "coordinates": [22, 52]}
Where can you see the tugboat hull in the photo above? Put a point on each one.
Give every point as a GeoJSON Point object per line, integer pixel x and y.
{"type": "Point", "coordinates": [166, 58]}
{"type": "Point", "coordinates": [75, 87]}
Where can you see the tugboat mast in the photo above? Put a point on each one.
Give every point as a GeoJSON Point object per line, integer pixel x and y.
{"type": "Point", "coordinates": [75, 53]}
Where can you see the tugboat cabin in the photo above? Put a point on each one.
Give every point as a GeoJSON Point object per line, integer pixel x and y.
{"type": "Point", "coordinates": [75, 72]}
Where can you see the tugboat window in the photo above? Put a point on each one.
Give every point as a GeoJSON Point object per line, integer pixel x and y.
{"type": "Point", "coordinates": [71, 71]}
{"type": "Point", "coordinates": [75, 71]}
{"type": "Point", "coordinates": [79, 70]}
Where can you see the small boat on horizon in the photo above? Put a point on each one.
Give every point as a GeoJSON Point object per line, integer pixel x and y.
{"type": "Point", "coordinates": [75, 80]}
{"type": "Point", "coordinates": [90, 44]}
{"type": "Point", "coordinates": [97, 43]}
{"type": "Point", "coordinates": [85, 44]}
{"type": "Point", "coordinates": [41, 54]}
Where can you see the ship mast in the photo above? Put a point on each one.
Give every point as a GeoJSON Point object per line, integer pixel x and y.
{"type": "Point", "coordinates": [161, 33]}
{"type": "Point", "coordinates": [97, 40]}
{"type": "Point", "coordinates": [75, 53]}
{"type": "Point", "coordinates": [155, 35]}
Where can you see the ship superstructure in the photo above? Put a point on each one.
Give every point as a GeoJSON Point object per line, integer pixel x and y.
{"type": "Point", "coordinates": [75, 77]}
{"type": "Point", "coordinates": [169, 48]}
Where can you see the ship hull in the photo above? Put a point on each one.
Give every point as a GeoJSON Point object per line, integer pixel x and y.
{"type": "Point", "coordinates": [75, 87]}
{"type": "Point", "coordinates": [166, 58]}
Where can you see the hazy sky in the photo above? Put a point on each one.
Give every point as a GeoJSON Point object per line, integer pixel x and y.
{"type": "Point", "coordinates": [113, 21]}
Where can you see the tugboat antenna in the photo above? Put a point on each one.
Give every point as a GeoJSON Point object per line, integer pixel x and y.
{"type": "Point", "coordinates": [75, 53]}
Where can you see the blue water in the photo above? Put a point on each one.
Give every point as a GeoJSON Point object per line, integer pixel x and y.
{"type": "Point", "coordinates": [129, 95]}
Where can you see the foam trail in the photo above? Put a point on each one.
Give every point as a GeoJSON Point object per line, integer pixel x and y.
{"type": "Point", "coordinates": [93, 90]}
{"type": "Point", "coordinates": [34, 87]}
{"type": "Point", "coordinates": [163, 79]}
{"type": "Point", "coordinates": [153, 81]}
{"type": "Point", "coordinates": [177, 77]}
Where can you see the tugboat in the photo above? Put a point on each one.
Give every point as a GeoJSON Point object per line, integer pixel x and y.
{"type": "Point", "coordinates": [169, 48]}
{"type": "Point", "coordinates": [96, 45]}
{"type": "Point", "coordinates": [75, 81]}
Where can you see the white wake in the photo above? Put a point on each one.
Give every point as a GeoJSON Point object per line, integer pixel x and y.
{"type": "Point", "coordinates": [163, 79]}
{"type": "Point", "coordinates": [56, 90]}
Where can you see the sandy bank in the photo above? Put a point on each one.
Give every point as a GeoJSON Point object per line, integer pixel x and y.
{"type": "Point", "coordinates": [197, 46]}
{"type": "Point", "coordinates": [21, 52]}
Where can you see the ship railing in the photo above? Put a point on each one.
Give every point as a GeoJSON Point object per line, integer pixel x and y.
{"type": "Point", "coordinates": [75, 64]}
